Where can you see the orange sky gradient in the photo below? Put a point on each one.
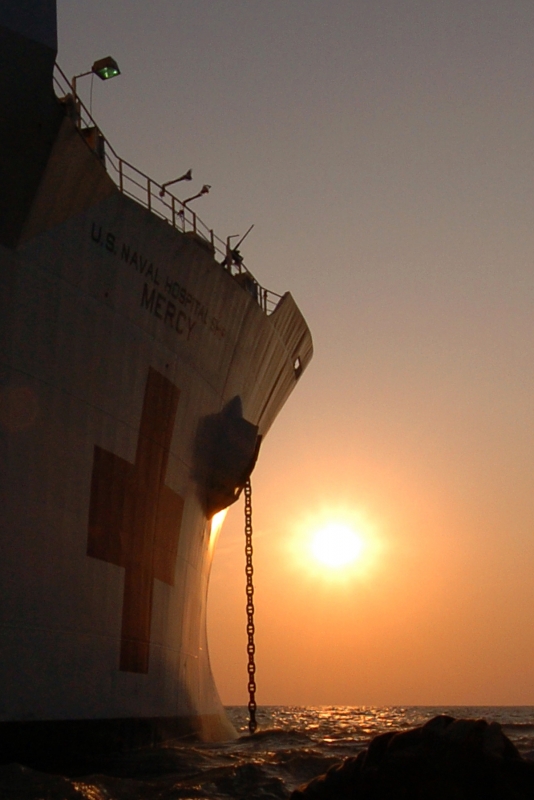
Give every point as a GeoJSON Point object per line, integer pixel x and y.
{"type": "Point", "coordinates": [384, 152]}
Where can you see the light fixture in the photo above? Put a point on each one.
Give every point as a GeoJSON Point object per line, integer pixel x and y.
{"type": "Point", "coordinates": [106, 68]}
{"type": "Point", "coordinates": [187, 176]}
{"type": "Point", "coordinates": [205, 189]}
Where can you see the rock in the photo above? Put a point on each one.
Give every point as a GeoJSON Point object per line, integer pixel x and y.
{"type": "Point", "coordinates": [447, 758]}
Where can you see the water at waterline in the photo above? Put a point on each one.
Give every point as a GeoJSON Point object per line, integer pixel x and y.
{"type": "Point", "coordinates": [292, 745]}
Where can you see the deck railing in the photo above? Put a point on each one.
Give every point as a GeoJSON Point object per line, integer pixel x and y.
{"type": "Point", "coordinates": [149, 193]}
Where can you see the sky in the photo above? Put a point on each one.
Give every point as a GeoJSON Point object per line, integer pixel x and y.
{"type": "Point", "coordinates": [385, 153]}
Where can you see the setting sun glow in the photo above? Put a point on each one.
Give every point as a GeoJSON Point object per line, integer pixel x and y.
{"type": "Point", "coordinates": [336, 545]}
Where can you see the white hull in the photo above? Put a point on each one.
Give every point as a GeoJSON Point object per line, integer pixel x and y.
{"type": "Point", "coordinates": [121, 341]}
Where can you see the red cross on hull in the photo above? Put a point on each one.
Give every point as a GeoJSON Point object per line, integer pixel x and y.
{"type": "Point", "coordinates": [134, 519]}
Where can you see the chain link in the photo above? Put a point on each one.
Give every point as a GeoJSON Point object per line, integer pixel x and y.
{"type": "Point", "coordinates": [251, 648]}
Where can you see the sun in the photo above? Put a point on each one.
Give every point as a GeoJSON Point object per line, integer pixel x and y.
{"type": "Point", "coordinates": [336, 545]}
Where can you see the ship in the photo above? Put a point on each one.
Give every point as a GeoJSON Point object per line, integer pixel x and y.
{"type": "Point", "coordinates": [141, 365]}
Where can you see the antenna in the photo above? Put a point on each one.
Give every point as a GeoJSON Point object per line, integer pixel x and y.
{"type": "Point", "coordinates": [243, 237]}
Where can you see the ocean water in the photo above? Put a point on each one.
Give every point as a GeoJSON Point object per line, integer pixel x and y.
{"type": "Point", "coordinates": [292, 745]}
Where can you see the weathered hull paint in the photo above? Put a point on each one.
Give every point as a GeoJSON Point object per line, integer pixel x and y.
{"type": "Point", "coordinates": [79, 349]}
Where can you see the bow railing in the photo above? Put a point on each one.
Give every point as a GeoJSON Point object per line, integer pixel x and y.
{"type": "Point", "coordinates": [149, 193]}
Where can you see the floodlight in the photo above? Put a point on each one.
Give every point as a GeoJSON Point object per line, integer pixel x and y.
{"type": "Point", "coordinates": [106, 68]}
{"type": "Point", "coordinates": [187, 176]}
{"type": "Point", "coordinates": [205, 189]}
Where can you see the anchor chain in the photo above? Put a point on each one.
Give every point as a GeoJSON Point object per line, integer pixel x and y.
{"type": "Point", "coordinates": [251, 648]}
